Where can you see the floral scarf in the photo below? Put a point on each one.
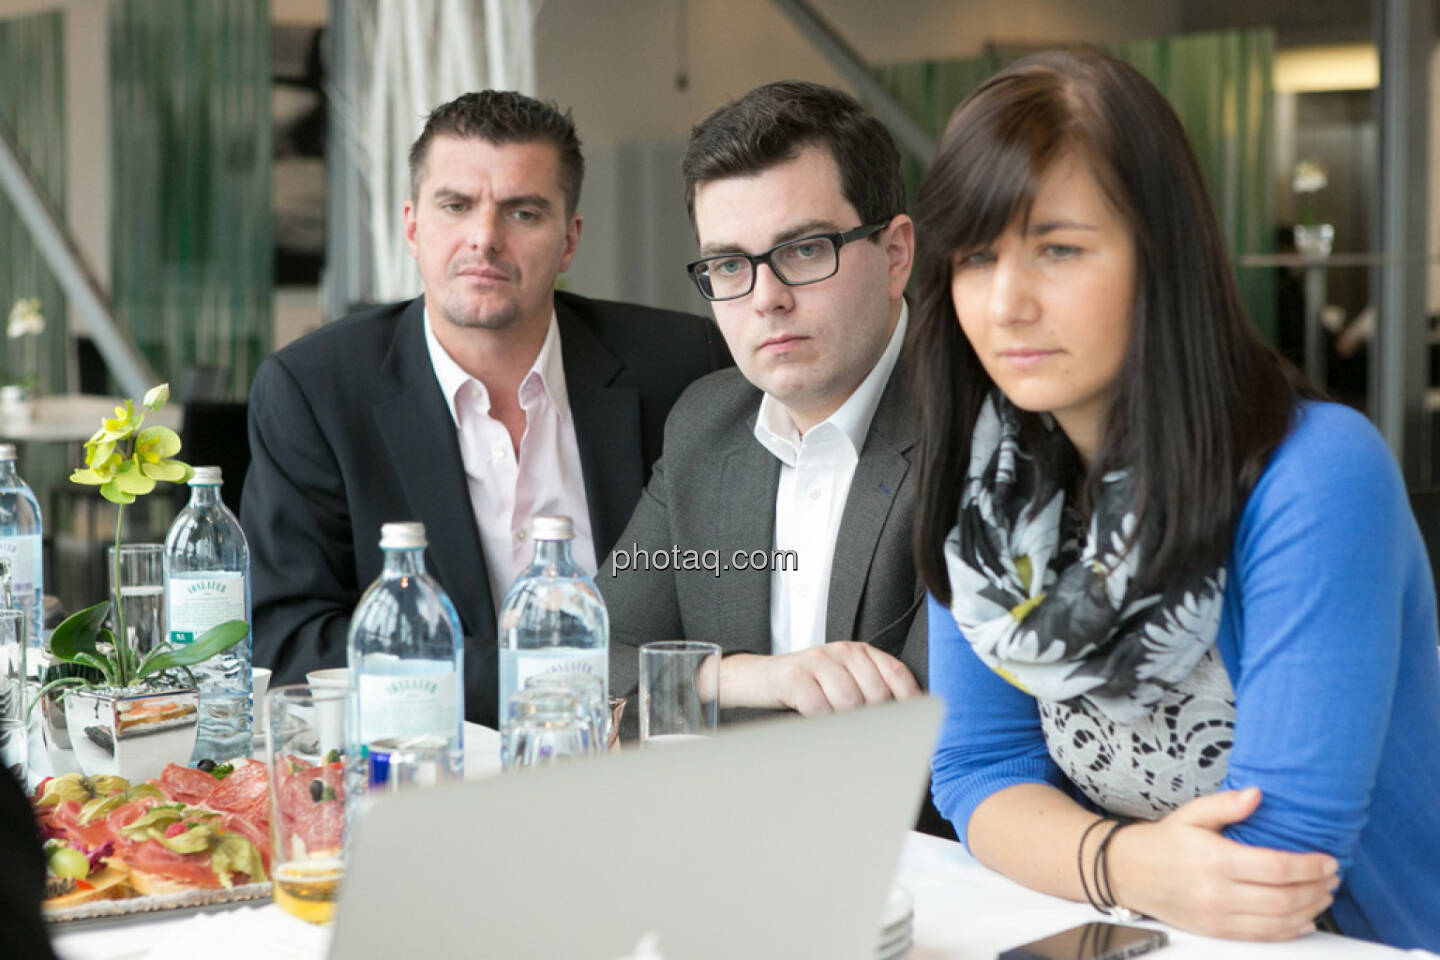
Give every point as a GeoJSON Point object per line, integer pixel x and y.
{"type": "Point", "coordinates": [1054, 616]}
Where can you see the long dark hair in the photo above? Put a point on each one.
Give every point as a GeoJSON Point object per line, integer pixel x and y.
{"type": "Point", "coordinates": [1201, 401]}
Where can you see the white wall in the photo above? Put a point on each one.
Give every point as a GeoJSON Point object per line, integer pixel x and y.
{"type": "Point", "coordinates": [615, 62]}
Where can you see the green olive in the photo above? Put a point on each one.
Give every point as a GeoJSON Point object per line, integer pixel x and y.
{"type": "Point", "coordinates": [69, 862]}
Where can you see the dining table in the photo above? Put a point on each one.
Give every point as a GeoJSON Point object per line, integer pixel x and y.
{"type": "Point", "coordinates": [963, 911]}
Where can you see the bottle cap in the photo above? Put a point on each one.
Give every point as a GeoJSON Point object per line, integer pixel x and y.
{"type": "Point", "coordinates": [206, 477]}
{"type": "Point", "coordinates": [552, 528]}
{"type": "Point", "coordinates": [402, 536]}
{"type": "Point", "coordinates": [7, 451]}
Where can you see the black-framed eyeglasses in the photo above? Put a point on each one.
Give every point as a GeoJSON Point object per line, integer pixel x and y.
{"type": "Point", "coordinates": [729, 276]}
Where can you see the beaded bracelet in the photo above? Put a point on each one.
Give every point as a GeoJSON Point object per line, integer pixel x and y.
{"type": "Point", "coordinates": [1080, 863]}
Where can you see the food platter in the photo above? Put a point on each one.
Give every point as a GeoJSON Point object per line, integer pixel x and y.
{"type": "Point", "coordinates": [159, 902]}
{"type": "Point", "coordinates": [189, 839]}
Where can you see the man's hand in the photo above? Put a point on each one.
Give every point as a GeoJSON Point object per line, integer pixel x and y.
{"type": "Point", "coordinates": [823, 679]}
{"type": "Point", "coordinates": [1181, 870]}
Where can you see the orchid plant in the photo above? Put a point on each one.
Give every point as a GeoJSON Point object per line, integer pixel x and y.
{"type": "Point", "coordinates": [127, 462]}
{"type": "Point", "coordinates": [25, 324]}
{"type": "Point", "coordinates": [1310, 177]}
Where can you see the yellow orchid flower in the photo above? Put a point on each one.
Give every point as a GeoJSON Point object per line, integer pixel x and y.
{"type": "Point", "coordinates": [153, 448]}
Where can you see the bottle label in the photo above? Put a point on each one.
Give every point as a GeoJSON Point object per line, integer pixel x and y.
{"type": "Point", "coordinates": [595, 662]}
{"type": "Point", "coordinates": [21, 553]}
{"type": "Point", "coordinates": [426, 704]}
{"type": "Point", "coordinates": [195, 603]}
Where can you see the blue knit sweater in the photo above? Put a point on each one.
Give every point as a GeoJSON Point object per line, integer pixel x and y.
{"type": "Point", "coordinates": [1328, 633]}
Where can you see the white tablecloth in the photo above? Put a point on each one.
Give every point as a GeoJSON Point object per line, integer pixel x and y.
{"type": "Point", "coordinates": [963, 911]}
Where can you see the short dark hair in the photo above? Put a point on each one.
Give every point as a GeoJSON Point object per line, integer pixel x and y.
{"type": "Point", "coordinates": [1201, 402]}
{"type": "Point", "coordinates": [772, 124]}
{"type": "Point", "coordinates": [504, 116]}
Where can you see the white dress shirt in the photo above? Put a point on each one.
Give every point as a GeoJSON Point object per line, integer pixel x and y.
{"type": "Point", "coordinates": [506, 491]}
{"type": "Point", "coordinates": [815, 474]}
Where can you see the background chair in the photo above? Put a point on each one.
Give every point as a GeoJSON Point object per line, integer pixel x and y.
{"type": "Point", "coordinates": [214, 434]}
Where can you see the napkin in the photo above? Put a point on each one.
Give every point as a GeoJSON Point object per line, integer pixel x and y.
{"type": "Point", "coordinates": [243, 934]}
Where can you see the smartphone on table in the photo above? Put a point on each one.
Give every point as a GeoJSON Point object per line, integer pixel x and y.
{"type": "Point", "coordinates": [1097, 940]}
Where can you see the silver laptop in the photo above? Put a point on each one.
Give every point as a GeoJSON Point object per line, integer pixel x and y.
{"type": "Point", "coordinates": [777, 839]}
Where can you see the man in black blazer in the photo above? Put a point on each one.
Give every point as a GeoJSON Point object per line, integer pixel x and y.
{"type": "Point", "coordinates": [362, 422]}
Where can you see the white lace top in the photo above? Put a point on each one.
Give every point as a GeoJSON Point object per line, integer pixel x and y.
{"type": "Point", "coordinates": [1178, 751]}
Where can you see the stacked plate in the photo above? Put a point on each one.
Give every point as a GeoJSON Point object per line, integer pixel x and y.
{"type": "Point", "coordinates": [897, 928]}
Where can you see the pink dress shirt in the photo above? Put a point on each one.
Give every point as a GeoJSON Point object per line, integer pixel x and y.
{"type": "Point", "coordinates": [507, 490]}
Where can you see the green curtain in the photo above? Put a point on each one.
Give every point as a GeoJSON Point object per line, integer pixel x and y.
{"type": "Point", "coordinates": [33, 110]}
{"type": "Point", "coordinates": [191, 244]}
{"type": "Point", "coordinates": [1221, 86]}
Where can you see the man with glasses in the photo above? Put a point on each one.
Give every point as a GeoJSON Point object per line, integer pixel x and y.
{"type": "Point", "coordinates": [490, 400]}
{"type": "Point", "coordinates": [800, 458]}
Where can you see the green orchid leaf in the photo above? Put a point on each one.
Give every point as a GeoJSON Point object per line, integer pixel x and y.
{"type": "Point", "coordinates": [157, 396]}
{"type": "Point", "coordinates": [215, 640]}
{"type": "Point", "coordinates": [98, 661]}
{"type": "Point", "coordinates": [77, 633]}
{"type": "Point", "coordinates": [55, 684]}
{"type": "Point", "coordinates": [157, 443]}
{"type": "Point", "coordinates": [124, 659]}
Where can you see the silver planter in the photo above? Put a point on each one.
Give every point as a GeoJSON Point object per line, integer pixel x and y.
{"type": "Point", "coordinates": [57, 735]}
{"type": "Point", "coordinates": [135, 732]}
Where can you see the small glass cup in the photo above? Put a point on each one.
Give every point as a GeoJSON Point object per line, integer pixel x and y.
{"type": "Point", "coordinates": [307, 793]}
{"type": "Point", "coordinates": [14, 739]}
{"type": "Point", "coordinates": [679, 691]}
{"type": "Point", "coordinates": [544, 726]}
{"type": "Point", "coordinates": [141, 586]}
{"type": "Point", "coordinates": [585, 687]}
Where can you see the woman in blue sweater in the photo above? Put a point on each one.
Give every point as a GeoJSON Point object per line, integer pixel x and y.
{"type": "Point", "coordinates": [1181, 614]}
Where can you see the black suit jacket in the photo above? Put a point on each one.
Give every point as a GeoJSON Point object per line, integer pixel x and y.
{"type": "Point", "coordinates": [22, 875]}
{"type": "Point", "coordinates": [349, 430]}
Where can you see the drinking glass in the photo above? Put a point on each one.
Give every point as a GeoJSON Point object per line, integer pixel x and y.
{"type": "Point", "coordinates": [14, 744]}
{"type": "Point", "coordinates": [142, 591]}
{"type": "Point", "coordinates": [546, 725]}
{"type": "Point", "coordinates": [679, 691]}
{"type": "Point", "coordinates": [307, 794]}
{"type": "Point", "coordinates": [585, 687]}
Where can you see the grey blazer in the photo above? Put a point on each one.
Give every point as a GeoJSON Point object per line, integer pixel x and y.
{"type": "Point", "coordinates": [714, 489]}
